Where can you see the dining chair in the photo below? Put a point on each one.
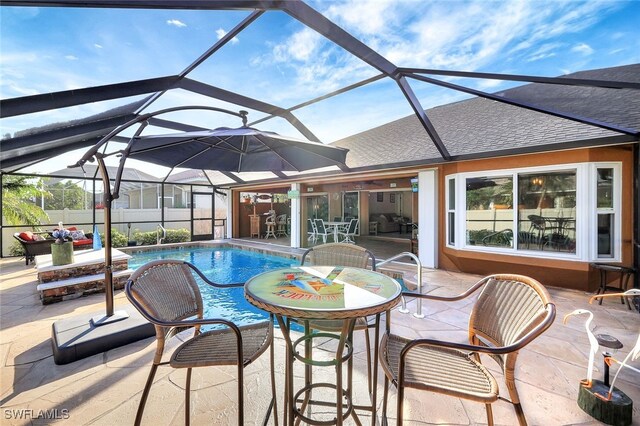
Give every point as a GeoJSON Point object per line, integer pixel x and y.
{"type": "Point", "coordinates": [349, 232]}
{"type": "Point", "coordinates": [322, 230]}
{"type": "Point", "coordinates": [167, 295]}
{"type": "Point", "coordinates": [510, 312]}
{"type": "Point", "coordinates": [312, 232]}
{"type": "Point", "coordinates": [538, 228]}
{"type": "Point", "coordinates": [340, 254]}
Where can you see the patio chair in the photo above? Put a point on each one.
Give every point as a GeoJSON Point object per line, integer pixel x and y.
{"type": "Point", "coordinates": [538, 229]}
{"type": "Point", "coordinates": [339, 254]}
{"type": "Point", "coordinates": [322, 230]}
{"type": "Point", "coordinates": [312, 232]}
{"type": "Point", "coordinates": [167, 295]}
{"type": "Point", "coordinates": [349, 232]}
{"type": "Point", "coordinates": [511, 311]}
{"type": "Point", "coordinates": [33, 247]}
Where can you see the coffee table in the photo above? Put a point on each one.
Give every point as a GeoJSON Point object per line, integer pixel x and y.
{"type": "Point", "coordinates": [323, 293]}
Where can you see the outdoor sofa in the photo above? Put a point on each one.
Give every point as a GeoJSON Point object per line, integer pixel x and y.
{"type": "Point", "coordinates": [37, 243]}
{"type": "Point", "coordinates": [388, 222]}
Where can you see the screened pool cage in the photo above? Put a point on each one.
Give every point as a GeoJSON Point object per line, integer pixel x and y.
{"type": "Point", "coordinates": [188, 211]}
{"type": "Point", "coordinates": [196, 203]}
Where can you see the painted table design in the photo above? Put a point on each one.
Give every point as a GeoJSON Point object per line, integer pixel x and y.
{"type": "Point", "coordinates": [322, 291]}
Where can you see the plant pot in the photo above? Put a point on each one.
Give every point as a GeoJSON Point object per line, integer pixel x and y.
{"type": "Point", "coordinates": [62, 254]}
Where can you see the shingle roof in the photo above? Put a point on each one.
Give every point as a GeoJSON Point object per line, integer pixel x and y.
{"type": "Point", "coordinates": [480, 127]}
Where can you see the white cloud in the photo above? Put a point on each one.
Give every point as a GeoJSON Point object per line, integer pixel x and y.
{"type": "Point", "coordinates": [299, 47]}
{"type": "Point", "coordinates": [489, 84]}
{"type": "Point", "coordinates": [221, 33]}
{"type": "Point", "coordinates": [97, 46]}
{"type": "Point", "coordinates": [541, 56]}
{"type": "Point", "coordinates": [370, 17]}
{"type": "Point", "coordinates": [582, 48]}
{"type": "Point", "coordinates": [71, 57]}
{"type": "Point", "coordinates": [176, 23]}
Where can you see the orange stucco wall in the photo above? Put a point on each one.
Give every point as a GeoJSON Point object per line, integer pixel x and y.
{"type": "Point", "coordinates": [561, 273]}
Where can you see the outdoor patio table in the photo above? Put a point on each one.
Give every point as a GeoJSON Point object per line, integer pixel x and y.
{"type": "Point", "coordinates": [335, 227]}
{"type": "Point", "coordinates": [323, 293]}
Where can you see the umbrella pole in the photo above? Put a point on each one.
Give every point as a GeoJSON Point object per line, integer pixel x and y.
{"type": "Point", "coordinates": [108, 261]}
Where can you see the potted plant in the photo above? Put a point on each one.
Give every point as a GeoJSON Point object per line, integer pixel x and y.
{"type": "Point", "coordinates": [62, 248]}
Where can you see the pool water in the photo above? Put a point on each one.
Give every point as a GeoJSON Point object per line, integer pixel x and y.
{"type": "Point", "coordinates": [224, 266]}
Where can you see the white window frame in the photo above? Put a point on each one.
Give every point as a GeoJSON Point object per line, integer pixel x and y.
{"type": "Point", "coordinates": [586, 204]}
{"type": "Point", "coordinates": [616, 211]}
{"type": "Point", "coordinates": [448, 211]}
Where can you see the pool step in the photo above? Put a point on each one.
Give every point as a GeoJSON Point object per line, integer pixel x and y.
{"type": "Point", "coordinates": [71, 288]}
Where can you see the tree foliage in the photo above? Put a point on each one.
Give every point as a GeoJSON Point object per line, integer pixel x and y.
{"type": "Point", "coordinates": [66, 195]}
{"type": "Point", "coordinates": [18, 201]}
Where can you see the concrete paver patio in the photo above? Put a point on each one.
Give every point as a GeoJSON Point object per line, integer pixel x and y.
{"type": "Point", "coordinates": [105, 389]}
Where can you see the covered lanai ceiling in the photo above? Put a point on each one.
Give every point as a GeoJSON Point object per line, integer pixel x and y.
{"type": "Point", "coordinates": [194, 83]}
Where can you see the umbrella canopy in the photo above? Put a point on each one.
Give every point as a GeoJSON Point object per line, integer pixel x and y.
{"type": "Point", "coordinates": [244, 149]}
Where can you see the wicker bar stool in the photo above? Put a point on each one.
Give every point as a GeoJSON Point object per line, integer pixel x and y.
{"type": "Point", "coordinates": [511, 311]}
{"type": "Point", "coordinates": [281, 222]}
{"type": "Point", "coordinates": [270, 223]}
{"type": "Point", "coordinates": [167, 295]}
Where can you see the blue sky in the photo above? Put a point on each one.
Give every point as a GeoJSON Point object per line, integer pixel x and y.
{"type": "Point", "coordinates": [280, 61]}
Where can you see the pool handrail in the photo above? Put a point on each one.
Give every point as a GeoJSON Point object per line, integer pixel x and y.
{"type": "Point", "coordinates": [164, 234]}
{"type": "Point", "coordinates": [403, 309]}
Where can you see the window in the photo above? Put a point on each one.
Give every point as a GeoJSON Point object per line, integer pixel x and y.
{"type": "Point", "coordinates": [605, 211]}
{"type": "Point", "coordinates": [451, 211]}
{"type": "Point", "coordinates": [570, 211]}
{"type": "Point", "coordinates": [547, 211]}
{"type": "Point", "coordinates": [489, 215]}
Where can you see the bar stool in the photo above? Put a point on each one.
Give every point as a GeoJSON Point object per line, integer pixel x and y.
{"type": "Point", "coordinates": [625, 274]}
{"type": "Point", "coordinates": [270, 222]}
{"type": "Point", "coordinates": [281, 221]}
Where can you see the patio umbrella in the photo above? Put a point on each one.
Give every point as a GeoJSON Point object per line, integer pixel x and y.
{"type": "Point", "coordinates": [242, 149]}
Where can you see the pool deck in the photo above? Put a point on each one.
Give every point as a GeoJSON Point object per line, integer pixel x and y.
{"type": "Point", "coordinates": [105, 389]}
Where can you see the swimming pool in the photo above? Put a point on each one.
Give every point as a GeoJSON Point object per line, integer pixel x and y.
{"type": "Point", "coordinates": [222, 265]}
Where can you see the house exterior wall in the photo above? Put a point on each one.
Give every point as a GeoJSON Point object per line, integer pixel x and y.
{"type": "Point", "coordinates": [556, 272]}
{"type": "Point", "coordinates": [560, 272]}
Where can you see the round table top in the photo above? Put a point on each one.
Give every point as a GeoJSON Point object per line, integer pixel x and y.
{"type": "Point", "coordinates": [323, 292]}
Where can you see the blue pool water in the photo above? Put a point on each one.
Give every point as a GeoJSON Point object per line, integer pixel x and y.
{"type": "Point", "coordinates": [224, 266]}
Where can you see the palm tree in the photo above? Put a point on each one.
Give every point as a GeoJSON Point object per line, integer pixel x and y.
{"type": "Point", "coordinates": [18, 207]}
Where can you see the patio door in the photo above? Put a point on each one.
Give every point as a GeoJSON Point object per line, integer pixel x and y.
{"type": "Point", "coordinates": [351, 207]}
{"type": "Point", "coordinates": [202, 208]}
{"type": "Point", "coordinates": [317, 207]}
{"type": "Point", "coordinates": [313, 207]}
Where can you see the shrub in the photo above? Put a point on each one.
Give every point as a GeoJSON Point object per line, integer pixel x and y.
{"type": "Point", "coordinates": [173, 236]}
{"type": "Point", "coordinates": [16, 249]}
{"type": "Point", "coordinates": [475, 237]}
{"type": "Point", "coordinates": [118, 239]}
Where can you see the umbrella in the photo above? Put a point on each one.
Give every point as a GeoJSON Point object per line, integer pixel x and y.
{"type": "Point", "coordinates": [243, 149]}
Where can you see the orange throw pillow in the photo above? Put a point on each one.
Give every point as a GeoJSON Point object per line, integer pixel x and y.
{"type": "Point", "coordinates": [27, 236]}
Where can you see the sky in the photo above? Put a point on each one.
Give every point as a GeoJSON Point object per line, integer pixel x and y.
{"type": "Point", "coordinates": [280, 61]}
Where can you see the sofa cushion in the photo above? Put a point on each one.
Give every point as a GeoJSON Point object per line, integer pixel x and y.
{"type": "Point", "coordinates": [83, 242]}
{"type": "Point", "coordinates": [77, 235]}
{"type": "Point", "coordinates": [26, 235]}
